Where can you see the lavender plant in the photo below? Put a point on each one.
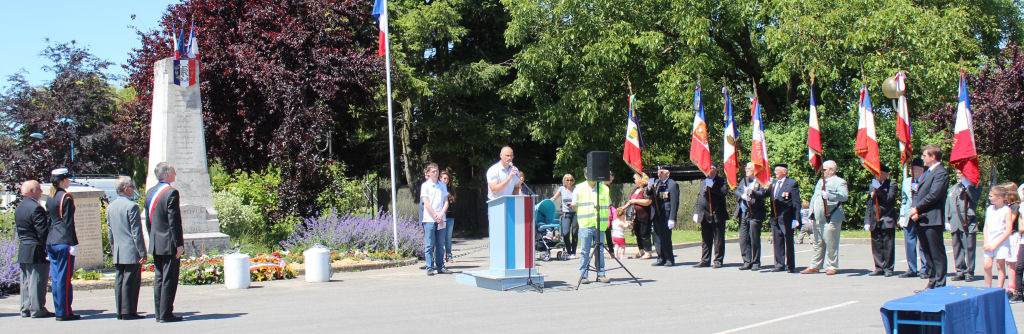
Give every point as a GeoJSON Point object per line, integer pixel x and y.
{"type": "Point", "coordinates": [369, 233]}
{"type": "Point", "coordinates": [9, 273]}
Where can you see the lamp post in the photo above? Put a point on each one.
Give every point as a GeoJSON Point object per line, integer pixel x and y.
{"type": "Point", "coordinates": [71, 123]}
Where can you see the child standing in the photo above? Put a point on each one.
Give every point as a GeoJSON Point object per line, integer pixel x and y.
{"type": "Point", "coordinates": [619, 234]}
{"type": "Point", "coordinates": [997, 231]}
{"type": "Point", "coordinates": [806, 224]}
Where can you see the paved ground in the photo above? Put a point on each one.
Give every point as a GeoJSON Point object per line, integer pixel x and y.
{"type": "Point", "coordinates": [681, 299]}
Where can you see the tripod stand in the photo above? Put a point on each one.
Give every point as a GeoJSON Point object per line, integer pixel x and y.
{"type": "Point", "coordinates": [598, 246]}
{"type": "Point", "coordinates": [539, 287]}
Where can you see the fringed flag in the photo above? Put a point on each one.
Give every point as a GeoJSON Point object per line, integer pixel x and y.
{"type": "Point", "coordinates": [814, 135]}
{"type": "Point", "coordinates": [631, 152]}
{"type": "Point", "coordinates": [758, 145]}
{"type": "Point", "coordinates": [866, 146]}
{"type": "Point", "coordinates": [730, 151]}
{"type": "Point", "coordinates": [700, 153]}
{"type": "Point", "coordinates": [904, 131]}
{"type": "Point", "coordinates": [964, 155]}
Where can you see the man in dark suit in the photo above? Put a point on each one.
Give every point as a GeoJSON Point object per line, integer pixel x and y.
{"type": "Point", "coordinates": [166, 241]}
{"type": "Point", "coordinates": [665, 193]}
{"type": "Point", "coordinates": [709, 211]}
{"type": "Point", "coordinates": [32, 226]}
{"type": "Point", "coordinates": [880, 220]}
{"type": "Point", "coordinates": [785, 203]}
{"type": "Point", "coordinates": [750, 212]}
{"type": "Point", "coordinates": [962, 223]}
{"type": "Point", "coordinates": [928, 210]}
{"type": "Point", "coordinates": [127, 247]}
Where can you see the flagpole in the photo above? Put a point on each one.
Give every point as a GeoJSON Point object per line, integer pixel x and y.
{"type": "Point", "coordinates": [391, 131]}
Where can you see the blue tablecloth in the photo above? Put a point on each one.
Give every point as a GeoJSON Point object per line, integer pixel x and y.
{"type": "Point", "coordinates": [967, 309]}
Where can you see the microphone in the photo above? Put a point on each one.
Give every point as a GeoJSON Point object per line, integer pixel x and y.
{"type": "Point", "coordinates": [526, 189]}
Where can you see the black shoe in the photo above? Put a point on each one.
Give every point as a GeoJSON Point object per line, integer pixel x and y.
{"type": "Point", "coordinates": [658, 263]}
{"type": "Point", "coordinates": [778, 269]}
{"type": "Point", "coordinates": [25, 315]}
{"type": "Point", "coordinates": [922, 275]}
{"type": "Point", "coordinates": [1016, 298]}
{"type": "Point", "coordinates": [957, 278]}
{"type": "Point", "coordinates": [69, 317]}
{"type": "Point", "coordinates": [908, 274]}
{"type": "Point", "coordinates": [172, 318]}
{"type": "Point", "coordinates": [445, 271]}
{"type": "Point", "coordinates": [716, 265]}
{"type": "Point", "coordinates": [423, 267]}
{"type": "Point", "coordinates": [430, 272]}
{"type": "Point", "coordinates": [702, 265]}
{"type": "Point", "coordinates": [755, 267]}
{"type": "Point", "coordinates": [889, 274]}
{"type": "Point", "coordinates": [44, 314]}
{"type": "Point", "coordinates": [745, 267]}
{"type": "Point", "coordinates": [968, 278]}
{"type": "Point", "coordinates": [876, 273]}
{"type": "Point", "coordinates": [130, 317]}
{"type": "Point", "coordinates": [670, 263]}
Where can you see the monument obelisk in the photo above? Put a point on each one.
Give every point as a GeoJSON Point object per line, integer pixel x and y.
{"type": "Point", "coordinates": [177, 137]}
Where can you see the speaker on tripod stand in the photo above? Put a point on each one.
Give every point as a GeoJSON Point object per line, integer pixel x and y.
{"type": "Point", "coordinates": [598, 170]}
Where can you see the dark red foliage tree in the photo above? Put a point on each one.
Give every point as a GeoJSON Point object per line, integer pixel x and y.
{"type": "Point", "coordinates": [280, 81]}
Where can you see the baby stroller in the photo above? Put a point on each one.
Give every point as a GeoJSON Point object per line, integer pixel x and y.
{"type": "Point", "coordinates": [549, 235]}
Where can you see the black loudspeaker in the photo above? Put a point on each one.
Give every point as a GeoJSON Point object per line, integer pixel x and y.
{"type": "Point", "coordinates": [598, 165]}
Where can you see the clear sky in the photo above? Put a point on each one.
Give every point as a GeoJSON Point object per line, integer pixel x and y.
{"type": "Point", "coordinates": [105, 27]}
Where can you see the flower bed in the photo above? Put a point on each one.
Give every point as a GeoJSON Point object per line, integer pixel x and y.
{"type": "Point", "coordinates": [210, 270]}
{"type": "Point", "coordinates": [357, 233]}
{"type": "Point", "coordinates": [9, 271]}
{"type": "Point", "coordinates": [269, 267]}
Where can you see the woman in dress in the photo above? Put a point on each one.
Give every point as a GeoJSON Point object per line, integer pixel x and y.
{"type": "Point", "coordinates": [639, 210]}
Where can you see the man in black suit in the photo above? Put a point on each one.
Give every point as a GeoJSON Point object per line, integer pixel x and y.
{"type": "Point", "coordinates": [709, 211]}
{"type": "Point", "coordinates": [665, 193]}
{"type": "Point", "coordinates": [32, 225]}
{"type": "Point", "coordinates": [166, 241]}
{"type": "Point", "coordinates": [880, 220]}
{"type": "Point", "coordinates": [750, 212]}
{"type": "Point", "coordinates": [785, 203]}
{"type": "Point", "coordinates": [927, 210]}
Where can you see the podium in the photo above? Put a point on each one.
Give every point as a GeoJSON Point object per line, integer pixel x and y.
{"type": "Point", "coordinates": [511, 237]}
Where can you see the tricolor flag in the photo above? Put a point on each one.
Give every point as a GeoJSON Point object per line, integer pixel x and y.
{"type": "Point", "coordinates": [730, 162]}
{"type": "Point", "coordinates": [631, 153]}
{"type": "Point", "coordinates": [964, 156]}
{"type": "Point", "coordinates": [814, 135]}
{"type": "Point", "coordinates": [904, 131]}
{"type": "Point", "coordinates": [700, 153]}
{"type": "Point", "coordinates": [193, 46]}
{"type": "Point", "coordinates": [174, 44]}
{"type": "Point", "coordinates": [380, 12]}
{"type": "Point", "coordinates": [758, 146]}
{"type": "Point", "coordinates": [866, 147]}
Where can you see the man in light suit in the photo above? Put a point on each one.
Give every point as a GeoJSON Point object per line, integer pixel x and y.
{"type": "Point", "coordinates": [665, 193]}
{"type": "Point", "coordinates": [828, 219]}
{"type": "Point", "coordinates": [709, 211]}
{"type": "Point", "coordinates": [127, 247]}
{"type": "Point", "coordinates": [880, 220]}
{"type": "Point", "coordinates": [963, 225]}
{"type": "Point", "coordinates": [32, 225]}
{"type": "Point", "coordinates": [928, 210]}
{"type": "Point", "coordinates": [785, 203]}
{"type": "Point", "coordinates": [166, 241]}
{"type": "Point", "coordinates": [750, 211]}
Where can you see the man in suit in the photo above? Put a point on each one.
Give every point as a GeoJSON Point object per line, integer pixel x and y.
{"type": "Point", "coordinates": [61, 243]}
{"type": "Point", "coordinates": [880, 220]}
{"type": "Point", "coordinates": [32, 226]}
{"type": "Point", "coordinates": [927, 210]}
{"type": "Point", "coordinates": [785, 203]}
{"type": "Point", "coordinates": [963, 225]}
{"type": "Point", "coordinates": [750, 212]}
{"type": "Point", "coordinates": [910, 241]}
{"type": "Point", "coordinates": [166, 241]}
{"type": "Point", "coordinates": [127, 247]}
{"type": "Point", "coordinates": [829, 193]}
{"type": "Point", "coordinates": [709, 211]}
{"type": "Point", "coordinates": [665, 193]}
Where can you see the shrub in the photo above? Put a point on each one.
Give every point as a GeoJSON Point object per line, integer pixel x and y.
{"type": "Point", "coordinates": [243, 205]}
{"type": "Point", "coordinates": [343, 194]}
{"type": "Point", "coordinates": [90, 275]}
{"type": "Point", "coordinates": [356, 232]}
{"type": "Point", "coordinates": [9, 271]}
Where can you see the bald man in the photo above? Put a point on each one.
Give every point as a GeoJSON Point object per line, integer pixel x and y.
{"type": "Point", "coordinates": [33, 226]}
{"type": "Point", "coordinates": [503, 178]}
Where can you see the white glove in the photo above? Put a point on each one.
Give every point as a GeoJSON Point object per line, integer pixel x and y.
{"type": "Point", "coordinates": [709, 182]}
{"type": "Point", "coordinates": [824, 194]}
{"type": "Point", "coordinates": [746, 197]}
{"type": "Point", "coordinates": [73, 250]}
{"type": "Point", "coordinates": [948, 228]}
{"type": "Point", "coordinates": [695, 218]}
{"type": "Point", "coordinates": [875, 184]}
{"type": "Point", "coordinates": [795, 223]}
{"type": "Point", "coordinates": [913, 186]}
{"type": "Point", "coordinates": [867, 227]}
{"type": "Point", "coordinates": [903, 222]}
{"type": "Point", "coordinates": [671, 224]}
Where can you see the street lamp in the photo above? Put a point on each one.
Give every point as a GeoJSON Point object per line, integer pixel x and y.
{"type": "Point", "coordinates": [70, 122]}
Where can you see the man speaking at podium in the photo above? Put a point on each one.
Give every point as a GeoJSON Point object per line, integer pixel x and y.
{"type": "Point", "coordinates": [503, 178]}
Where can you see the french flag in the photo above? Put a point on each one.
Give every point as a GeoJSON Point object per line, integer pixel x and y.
{"type": "Point", "coordinates": [964, 156]}
{"type": "Point", "coordinates": [730, 152]}
{"type": "Point", "coordinates": [700, 153]}
{"type": "Point", "coordinates": [904, 131]}
{"type": "Point", "coordinates": [631, 153]}
{"type": "Point", "coordinates": [380, 12]}
{"type": "Point", "coordinates": [758, 146]}
{"type": "Point", "coordinates": [866, 146]}
{"type": "Point", "coordinates": [814, 134]}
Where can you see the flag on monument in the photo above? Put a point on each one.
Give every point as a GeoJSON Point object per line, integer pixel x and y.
{"type": "Point", "coordinates": [866, 146]}
{"type": "Point", "coordinates": [174, 42]}
{"type": "Point", "coordinates": [193, 45]}
{"type": "Point", "coordinates": [631, 152]}
{"type": "Point", "coordinates": [380, 12]}
{"type": "Point", "coordinates": [700, 153]}
{"type": "Point", "coordinates": [758, 146]}
{"type": "Point", "coordinates": [814, 135]}
{"type": "Point", "coordinates": [964, 156]}
{"type": "Point", "coordinates": [904, 131]}
{"type": "Point", "coordinates": [730, 162]}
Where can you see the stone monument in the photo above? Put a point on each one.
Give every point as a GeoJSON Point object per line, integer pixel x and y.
{"type": "Point", "coordinates": [87, 224]}
{"type": "Point", "coordinates": [177, 137]}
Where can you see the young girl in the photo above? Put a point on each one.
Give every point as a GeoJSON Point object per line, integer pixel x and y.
{"type": "Point", "coordinates": [806, 224]}
{"type": "Point", "coordinates": [997, 231]}
{"type": "Point", "coordinates": [619, 234]}
{"type": "Point", "coordinates": [1013, 202]}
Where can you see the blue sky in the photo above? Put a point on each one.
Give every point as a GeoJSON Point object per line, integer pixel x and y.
{"type": "Point", "coordinates": [105, 27]}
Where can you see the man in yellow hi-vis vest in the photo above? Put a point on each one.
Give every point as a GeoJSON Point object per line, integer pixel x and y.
{"type": "Point", "coordinates": [592, 217]}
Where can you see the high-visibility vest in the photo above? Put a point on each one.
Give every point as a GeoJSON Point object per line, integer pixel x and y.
{"type": "Point", "coordinates": [587, 215]}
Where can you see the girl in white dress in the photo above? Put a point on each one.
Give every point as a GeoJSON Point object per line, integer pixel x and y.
{"type": "Point", "coordinates": [997, 231]}
{"type": "Point", "coordinates": [1012, 202]}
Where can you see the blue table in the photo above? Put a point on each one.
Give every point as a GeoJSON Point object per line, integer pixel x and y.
{"type": "Point", "coordinates": [952, 309]}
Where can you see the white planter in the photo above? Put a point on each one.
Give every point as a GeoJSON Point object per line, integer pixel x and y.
{"type": "Point", "coordinates": [236, 271]}
{"type": "Point", "coordinates": [318, 264]}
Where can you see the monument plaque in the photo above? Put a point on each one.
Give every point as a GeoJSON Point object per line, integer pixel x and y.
{"type": "Point", "coordinates": [87, 224]}
{"type": "Point", "coordinates": [177, 137]}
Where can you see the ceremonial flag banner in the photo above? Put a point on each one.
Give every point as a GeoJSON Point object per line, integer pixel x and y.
{"type": "Point", "coordinates": [814, 135]}
{"type": "Point", "coordinates": [700, 153]}
{"type": "Point", "coordinates": [730, 162]}
{"type": "Point", "coordinates": [380, 12]}
{"type": "Point", "coordinates": [964, 156]}
{"type": "Point", "coordinates": [866, 147]}
{"type": "Point", "coordinates": [904, 131]}
{"type": "Point", "coordinates": [631, 153]}
{"type": "Point", "coordinates": [174, 43]}
{"type": "Point", "coordinates": [193, 45]}
{"type": "Point", "coordinates": [758, 146]}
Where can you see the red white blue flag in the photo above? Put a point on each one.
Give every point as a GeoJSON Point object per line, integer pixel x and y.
{"type": "Point", "coordinates": [632, 153]}
{"type": "Point", "coordinates": [758, 145]}
{"type": "Point", "coordinates": [866, 146]}
{"type": "Point", "coordinates": [380, 12]}
{"type": "Point", "coordinates": [814, 134]}
{"type": "Point", "coordinates": [730, 151]}
{"type": "Point", "coordinates": [700, 153]}
{"type": "Point", "coordinates": [964, 155]}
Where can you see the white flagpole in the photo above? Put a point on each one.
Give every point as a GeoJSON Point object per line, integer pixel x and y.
{"type": "Point", "coordinates": [391, 130]}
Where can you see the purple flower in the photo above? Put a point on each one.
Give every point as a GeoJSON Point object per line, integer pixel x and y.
{"type": "Point", "coordinates": [355, 232]}
{"type": "Point", "coordinates": [9, 272]}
